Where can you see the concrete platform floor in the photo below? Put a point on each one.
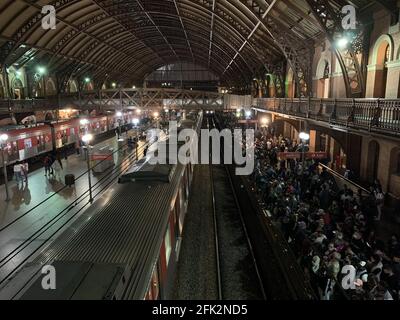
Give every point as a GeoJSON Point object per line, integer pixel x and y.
{"type": "Point", "coordinates": [27, 226]}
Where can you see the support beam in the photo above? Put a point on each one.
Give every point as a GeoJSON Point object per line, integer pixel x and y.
{"type": "Point", "coordinates": [330, 23]}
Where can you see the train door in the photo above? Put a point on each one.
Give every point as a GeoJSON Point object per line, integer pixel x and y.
{"type": "Point", "coordinates": [40, 143]}
{"type": "Point", "coordinates": [26, 150]}
{"type": "Point", "coordinates": [64, 137]}
{"type": "Point", "coordinates": [72, 134]}
{"type": "Point", "coordinates": [53, 137]}
{"type": "Point", "coordinates": [12, 151]}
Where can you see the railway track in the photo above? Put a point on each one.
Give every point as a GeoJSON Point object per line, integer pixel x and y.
{"type": "Point", "coordinates": [37, 240]}
{"type": "Point", "coordinates": [238, 277]}
{"type": "Point", "coordinates": [216, 260]}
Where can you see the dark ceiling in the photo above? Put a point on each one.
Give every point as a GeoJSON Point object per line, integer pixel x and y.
{"type": "Point", "coordinates": [126, 40]}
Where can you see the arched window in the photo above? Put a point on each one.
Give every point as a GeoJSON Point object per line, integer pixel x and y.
{"type": "Point", "coordinates": [18, 89]}
{"type": "Point", "coordinates": [387, 54]}
{"type": "Point", "coordinates": [398, 164]}
{"type": "Point", "coordinates": [326, 70]}
{"type": "Point", "coordinates": [378, 75]}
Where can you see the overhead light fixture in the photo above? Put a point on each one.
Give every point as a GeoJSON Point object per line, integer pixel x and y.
{"type": "Point", "coordinates": [3, 137]}
{"type": "Point", "coordinates": [87, 138]}
{"type": "Point", "coordinates": [304, 136]}
{"type": "Point", "coordinates": [342, 42]}
{"type": "Point", "coordinates": [87, 80]}
{"type": "Point", "coordinates": [41, 70]}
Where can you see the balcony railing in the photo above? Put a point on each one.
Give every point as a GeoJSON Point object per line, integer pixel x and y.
{"type": "Point", "coordinates": [368, 114]}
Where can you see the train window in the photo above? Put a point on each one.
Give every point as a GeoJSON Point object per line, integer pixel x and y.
{"type": "Point", "coordinates": [64, 137]}
{"type": "Point", "coordinates": [167, 242]}
{"type": "Point", "coordinates": [41, 143]}
{"type": "Point", "coordinates": [28, 143]}
{"type": "Point", "coordinates": [12, 148]}
{"type": "Point", "coordinates": [155, 288]}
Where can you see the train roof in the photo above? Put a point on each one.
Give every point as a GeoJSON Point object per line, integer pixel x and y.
{"type": "Point", "coordinates": [125, 226]}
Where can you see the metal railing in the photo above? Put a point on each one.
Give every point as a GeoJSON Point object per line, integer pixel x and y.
{"type": "Point", "coordinates": [367, 114]}
{"type": "Point", "coordinates": [122, 97]}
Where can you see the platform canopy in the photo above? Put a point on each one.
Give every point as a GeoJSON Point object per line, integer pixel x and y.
{"type": "Point", "coordinates": [125, 40]}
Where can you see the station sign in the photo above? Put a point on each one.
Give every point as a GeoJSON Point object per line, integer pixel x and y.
{"type": "Point", "coordinates": [299, 155]}
{"type": "Point", "coordinates": [101, 157]}
{"type": "Point", "coordinates": [248, 121]}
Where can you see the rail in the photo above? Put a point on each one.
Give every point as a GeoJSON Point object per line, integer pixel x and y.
{"type": "Point", "coordinates": [127, 97]}
{"type": "Point", "coordinates": [82, 200]}
{"type": "Point", "coordinates": [353, 185]}
{"type": "Point", "coordinates": [293, 279]}
{"type": "Point", "coordinates": [121, 149]}
{"type": "Point", "coordinates": [381, 115]}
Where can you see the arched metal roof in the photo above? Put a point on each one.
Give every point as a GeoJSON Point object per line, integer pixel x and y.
{"type": "Point", "coordinates": [125, 40]}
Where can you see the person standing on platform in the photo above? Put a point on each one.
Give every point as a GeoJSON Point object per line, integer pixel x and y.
{"type": "Point", "coordinates": [380, 201]}
{"type": "Point", "coordinates": [53, 159]}
{"type": "Point", "coordinates": [145, 150]}
{"type": "Point", "coordinates": [58, 167]}
{"type": "Point", "coordinates": [46, 162]}
{"type": "Point", "coordinates": [17, 172]}
{"type": "Point", "coordinates": [25, 170]}
{"type": "Point", "coordinates": [59, 161]}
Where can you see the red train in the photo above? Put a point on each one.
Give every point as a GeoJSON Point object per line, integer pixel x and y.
{"type": "Point", "coordinates": [31, 143]}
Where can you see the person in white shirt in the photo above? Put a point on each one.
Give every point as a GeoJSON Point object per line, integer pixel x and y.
{"type": "Point", "coordinates": [17, 172]}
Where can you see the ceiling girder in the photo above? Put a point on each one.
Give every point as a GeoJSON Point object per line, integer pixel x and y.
{"type": "Point", "coordinates": [330, 22]}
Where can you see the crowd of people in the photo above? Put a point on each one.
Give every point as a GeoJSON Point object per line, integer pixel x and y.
{"type": "Point", "coordinates": [331, 230]}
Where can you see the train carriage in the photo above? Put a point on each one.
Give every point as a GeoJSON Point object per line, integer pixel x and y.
{"type": "Point", "coordinates": [66, 133]}
{"type": "Point", "coordinates": [28, 142]}
{"type": "Point", "coordinates": [126, 229]}
{"type": "Point", "coordinates": [131, 236]}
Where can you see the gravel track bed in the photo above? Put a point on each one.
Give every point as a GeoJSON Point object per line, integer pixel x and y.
{"type": "Point", "coordinates": [238, 273]}
{"type": "Point", "coordinates": [196, 273]}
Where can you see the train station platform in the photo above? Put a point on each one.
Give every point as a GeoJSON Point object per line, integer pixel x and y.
{"type": "Point", "coordinates": [37, 210]}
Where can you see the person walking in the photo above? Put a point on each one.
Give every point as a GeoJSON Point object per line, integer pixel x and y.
{"type": "Point", "coordinates": [46, 163]}
{"type": "Point", "coordinates": [25, 170]}
{"type": "Point", "coordinates": [59, 161]}
{"type": "Point", "coordinates": [52, 160]}
{"type": "Point", "coordinates": [17, 172]}
{"type": "Point", "coordinates": [57, 168]}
